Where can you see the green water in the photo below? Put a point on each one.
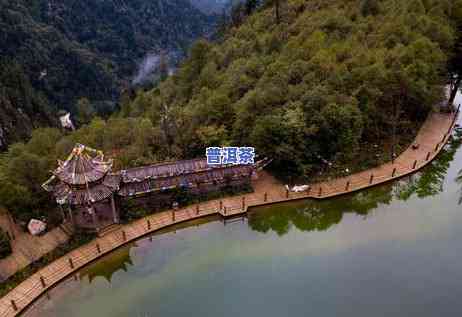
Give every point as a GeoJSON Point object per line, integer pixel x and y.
{"type": "Point", "coordinates": [395, 250]}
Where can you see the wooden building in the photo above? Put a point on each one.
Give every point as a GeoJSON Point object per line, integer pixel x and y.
{"type": "Point", "coordinates": [90, 194]}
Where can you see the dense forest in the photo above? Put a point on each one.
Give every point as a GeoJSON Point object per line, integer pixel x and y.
{"type": "Point", "coordinates": [53, 52]}
{"type": "Point", "coordinates": [305, 82]}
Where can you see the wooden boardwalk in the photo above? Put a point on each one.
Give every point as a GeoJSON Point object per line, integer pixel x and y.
{"type": "Point", "coordinates": [431, 138]}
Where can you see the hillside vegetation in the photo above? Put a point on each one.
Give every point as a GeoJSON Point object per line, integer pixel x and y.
{"type": "Point", "coordinates": [332, 79]}
{"type": "Point", "coordinates": [331, 76]}
{"type": "Point", "coordinates": [53, 52]}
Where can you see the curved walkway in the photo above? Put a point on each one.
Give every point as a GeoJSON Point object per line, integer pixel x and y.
{"type": "Point", "coordinates": [434, 133]}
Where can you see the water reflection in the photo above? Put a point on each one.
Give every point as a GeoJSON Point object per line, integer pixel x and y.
{"type": "Point", "coordinates": [317, 215]}
{"type": "Point", "coordinates": [308, 215]}
{"type": "Point", "coordinates": [321, 215]}
{"type": "Point", "coordinates": [400, 261]}
{"type": "Point", "coordinates": [430, 181]}
{"type": "Point", "coordinates": [107, 266]}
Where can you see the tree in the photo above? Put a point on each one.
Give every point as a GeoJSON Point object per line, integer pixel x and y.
{"type": "Point", "coordinates": [455, 63]}
{"type": "Point", "coordinates": [5, 246]}
{"type": "Point", "coordinates": [369, 7]}
{"type": "Point", "coordinates": [163, 66]}
{"type": "Point", "coordinates": [85, 111]}
{"type": "Point", "coordinates": [237, 14]}
{"type": "Point", "coordinates": [277, 8]}
{"type": "Point", "coordinates": [250, 6]}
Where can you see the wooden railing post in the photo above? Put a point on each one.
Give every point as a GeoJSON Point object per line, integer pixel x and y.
{"type": "Point", "coordinates": [444, 137]}
{"type": "Point", "coordinates": [13, 304]}
{"type": "Point", "coordinates": [42, 281]}
{"type": "Point", "coordinates": [197, 209]}
{"type": "Point", "coordinates": [224, 210]}
{"type": "Point", "coordinates": [428, 156]}
{"type": "Point", "coordinates": [414, 165]}
{"type": "Point", "coordinates": [371, 179]}
{"type": "Point", "coordinates": [221, 205]}
{"type": "Point", "coordinates": [265, 197]}
{"type": "Point", "coordinates": [98, 248]}
{"type": "Point", "coordinates": [287, 193]}
{"type": "Point", "coordinates": [124, 236]}
{"type": "Point", "coordinates": [243, 203]}
{"type": "Point", "coordinates": [320, 191]}
{"type": "Point", "coordinates": [394, 172]}
{"type": "Point", "coordinates": [347, 187]}
{"type": "Point", "coordinates": [173, 215]}
{"type": "Point", "coordinates": [436, 147]}
{"type": "Point", "coordinates": [71, 263]}
{"type": "Point", "coordinates": [148, 222]}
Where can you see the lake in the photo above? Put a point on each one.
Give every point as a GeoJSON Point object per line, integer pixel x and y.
{"type": "Point", "coordinates": [391, 250]}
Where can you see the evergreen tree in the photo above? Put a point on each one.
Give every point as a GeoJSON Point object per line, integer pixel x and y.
{"type": "Point", "coordinates": [251, 6]}
{"type": "Point", "coordinates": [455, 61]}
{"type": "Point", "coordinates": [369, 7]}
{"type": "Point", "coordinates": [163, 66]}
{"type": "Point", "coordinates": [85, 111]}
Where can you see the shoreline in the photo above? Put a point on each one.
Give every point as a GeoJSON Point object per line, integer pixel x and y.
{"type": "Point", "coordinates": [431, 138]}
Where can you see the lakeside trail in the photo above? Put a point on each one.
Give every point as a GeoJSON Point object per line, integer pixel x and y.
{"type": "Point", "coordinates": [431, 138]}
{"type": "Point", "coordinates": [26, 247]}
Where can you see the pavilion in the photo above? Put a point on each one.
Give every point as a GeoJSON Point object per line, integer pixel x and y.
{"type": "Point", "coordinates": [90, 195]}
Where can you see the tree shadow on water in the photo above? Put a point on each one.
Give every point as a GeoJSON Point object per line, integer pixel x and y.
{"type": "Point", "coordinates": [430, 180]}
{"type": "Point", "coordinates": [312, 215]}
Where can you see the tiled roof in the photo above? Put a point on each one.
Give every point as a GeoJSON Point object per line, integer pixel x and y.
{"type": "Point", "coordinates": [97, 192]}
{"type": "Point", "coordinates": [217, 174]}
{"type": "Point", "coordinates": [81, 168]}
{"type": "Point", "coordinates": [165, 169]}
{"type": "Point", "coordinates": [84, 178]}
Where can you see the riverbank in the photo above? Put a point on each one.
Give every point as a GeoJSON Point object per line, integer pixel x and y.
{"type": "Point", "coordinates": [433, 135]}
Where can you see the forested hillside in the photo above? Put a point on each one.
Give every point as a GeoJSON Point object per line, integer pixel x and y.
{"type": "Point", "coordinates": [305, 82]}
{"type": "Point", "coordinates": [53, 52]}
{"type": "Point", "coordinates": [309, 81]}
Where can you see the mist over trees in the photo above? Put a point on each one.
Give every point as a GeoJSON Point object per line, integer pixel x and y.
{"type": "Point", "coordinates": [54, 52]}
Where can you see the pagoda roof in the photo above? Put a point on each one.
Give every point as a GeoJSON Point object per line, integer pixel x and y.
{"type": "Point", "coordinates": [84, 178]}
{"type": "Point", "coordinates": [74, 196]}
{"type": "Point", "coordinates": [83, 166]}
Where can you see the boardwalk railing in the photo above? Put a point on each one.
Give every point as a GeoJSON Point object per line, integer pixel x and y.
{"type": "Point", "coordinates": [39, 283]}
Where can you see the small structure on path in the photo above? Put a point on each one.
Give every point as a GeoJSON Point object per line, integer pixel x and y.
{"type": "Point", "coordinates": [92, 196]}
{"type": "Point", "coordinates": [36, 227]}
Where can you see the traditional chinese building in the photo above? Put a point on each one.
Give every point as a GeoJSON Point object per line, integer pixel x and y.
{"type": "Point", "coordinates": [91, 195]}
{"type": "Point", "coordinates": [85, 188]}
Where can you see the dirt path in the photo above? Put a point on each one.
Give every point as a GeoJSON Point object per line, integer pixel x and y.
{"type": "Point", "coordinates": [26, 248]}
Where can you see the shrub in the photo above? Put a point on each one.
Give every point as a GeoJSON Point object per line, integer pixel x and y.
{"type": "Point", "coordinates": [5, 246]}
